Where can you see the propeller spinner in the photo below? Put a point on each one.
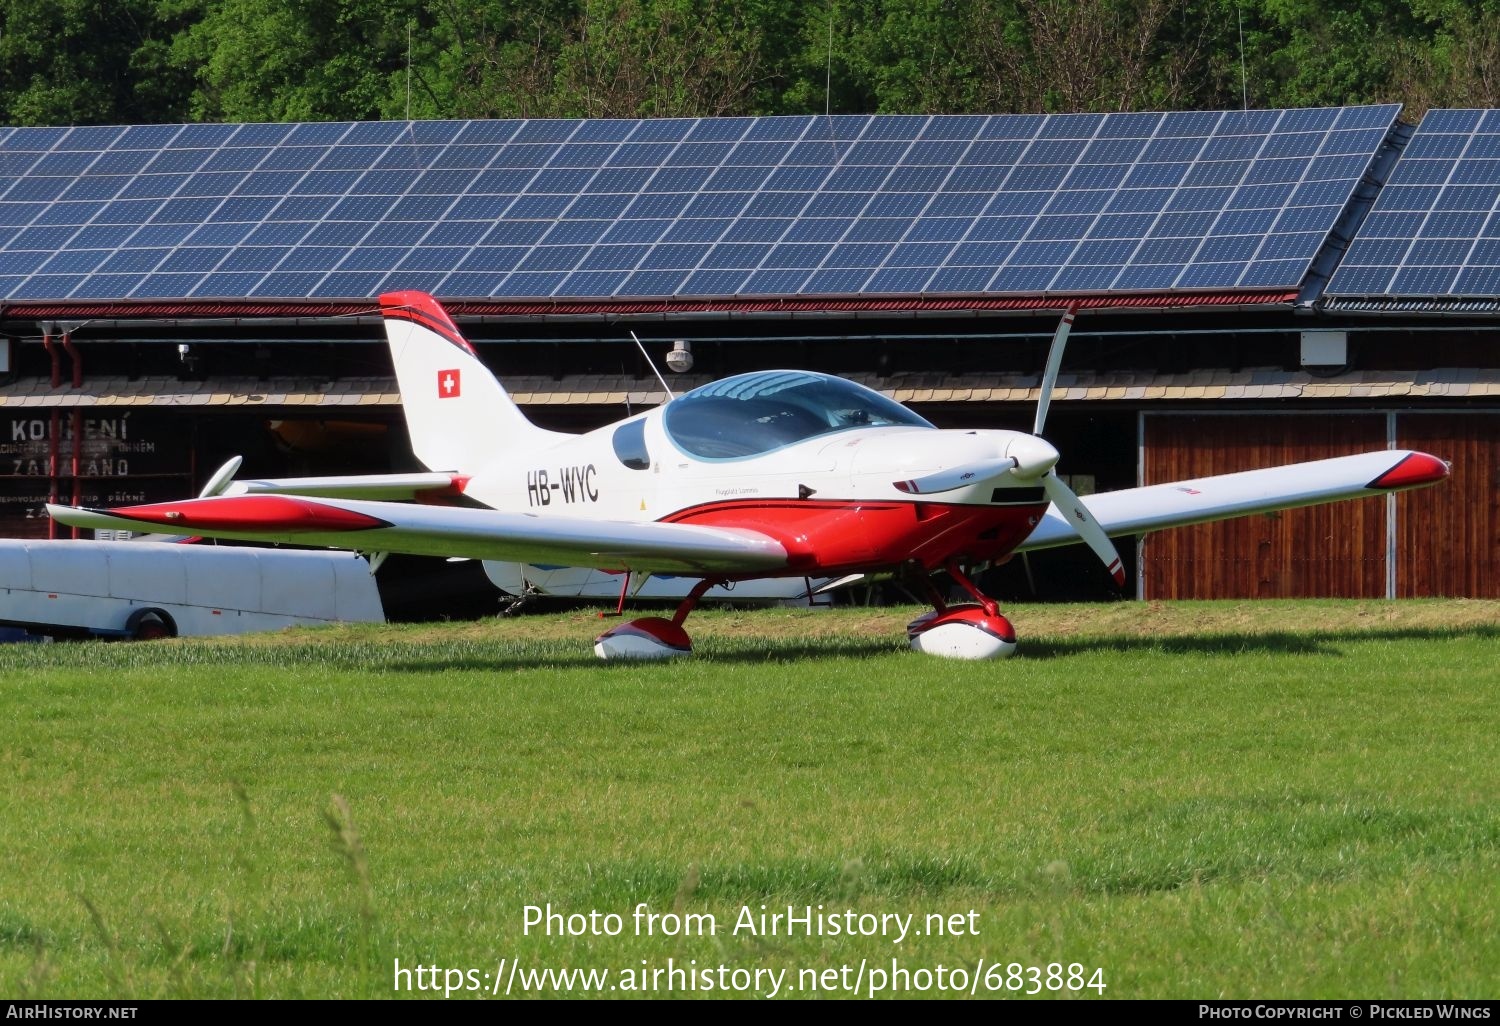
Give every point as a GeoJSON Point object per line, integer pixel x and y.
{"type": "Point", "coordinates": [1033, 458]}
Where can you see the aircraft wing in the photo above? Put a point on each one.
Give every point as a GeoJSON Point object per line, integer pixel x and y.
{"type": "Point", "coordinates": [424, 530]}
{"type": "Point", "coordinates": [1179, 503]}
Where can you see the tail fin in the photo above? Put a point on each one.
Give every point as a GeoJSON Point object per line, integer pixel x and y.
{"type": "Point", "coordinates": [459, 417]}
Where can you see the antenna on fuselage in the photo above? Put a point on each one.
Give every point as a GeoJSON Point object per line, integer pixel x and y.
{"type": "Point", "coordinates": [654, 370]}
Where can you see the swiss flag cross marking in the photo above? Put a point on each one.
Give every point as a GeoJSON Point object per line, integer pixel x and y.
{"type": "Point", "coordinates": [448, 384]}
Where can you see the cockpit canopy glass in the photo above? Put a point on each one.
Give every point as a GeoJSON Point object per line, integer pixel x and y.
{"type": "Point", "coordinates": [750, 414]}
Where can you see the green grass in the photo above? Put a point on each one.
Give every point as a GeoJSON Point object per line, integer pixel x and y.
{"type": "Point", "coordinates": [1276, 799]}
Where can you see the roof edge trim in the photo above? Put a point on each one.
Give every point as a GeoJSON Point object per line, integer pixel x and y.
{"type": "Point", "coordinates": [250, 308]}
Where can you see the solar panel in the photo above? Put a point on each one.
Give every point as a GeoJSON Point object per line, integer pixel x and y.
{"type": "Point", "coordinates": [848, 205]}
{"type": "Point", "coordinates": [1428, 230]}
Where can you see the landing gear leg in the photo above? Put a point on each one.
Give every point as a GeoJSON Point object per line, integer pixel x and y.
{"type": "Point", "coordinates": [653, 637]}
{"type": "Point", "coordinates": [518, 604]}
{"type": "Point", "coordinates": [620, 605]}
{"type": "Point", "coordinates": [974, 630]}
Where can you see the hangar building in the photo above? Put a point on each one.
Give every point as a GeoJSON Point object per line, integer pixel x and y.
{"type": "Point", "coordinates": [1251, 288]}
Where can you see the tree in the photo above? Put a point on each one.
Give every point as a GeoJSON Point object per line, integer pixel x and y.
{"type": "Point", "coordinates": [1455, 63]}
{"type": "Point", "coordinates": [81, 62]}
{"type": "Point", "coordinates": [267, 60]}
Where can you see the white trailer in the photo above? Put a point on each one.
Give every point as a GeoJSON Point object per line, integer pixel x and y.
{"type": "Point", "coordinates": [142, 589]}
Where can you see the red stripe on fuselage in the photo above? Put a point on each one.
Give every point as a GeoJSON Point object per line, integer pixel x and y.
{"type": "Point", "coordinates": [422, 309]}
{"type": "Point", "coordinates": [831, 536]}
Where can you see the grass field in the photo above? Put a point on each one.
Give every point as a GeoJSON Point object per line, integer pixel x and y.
{"type": "Point", "coordinates": [1201, 799]}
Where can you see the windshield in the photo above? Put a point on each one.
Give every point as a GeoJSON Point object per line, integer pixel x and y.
{"type": "Point", "coordinates": [750, 414]}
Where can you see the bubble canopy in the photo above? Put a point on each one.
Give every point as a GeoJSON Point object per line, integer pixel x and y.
{"type": "Point", "coordinates": [751, 414]}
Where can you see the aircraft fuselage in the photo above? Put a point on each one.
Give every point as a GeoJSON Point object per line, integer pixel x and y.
{"type": "Point", "coordinates": [832, 500]}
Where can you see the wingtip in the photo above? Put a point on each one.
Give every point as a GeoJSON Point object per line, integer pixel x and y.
{"type": "Point", "coordinates": [225, 514]}
{"type": "Point", "coordinates": [1413, 470]}
{"type": "Point", "coordinates": [78, 516]}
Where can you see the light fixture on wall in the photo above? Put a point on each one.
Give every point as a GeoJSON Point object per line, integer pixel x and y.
{"type": "Point", "coordinates": [192, 363]}
{"type": "Point", "coordinates": [680, 359]}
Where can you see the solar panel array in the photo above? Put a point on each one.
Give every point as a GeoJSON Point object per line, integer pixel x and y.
{"type": "Point", "coordinates": [1434, 229]}
{"type": "Point", "coordinates": [781, 206]}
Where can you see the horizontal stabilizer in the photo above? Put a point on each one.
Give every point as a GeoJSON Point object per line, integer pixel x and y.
{"type": "Point", "coordinates": [362, 486]}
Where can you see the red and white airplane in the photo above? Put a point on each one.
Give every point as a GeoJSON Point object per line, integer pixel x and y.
{"type": "Point", "coordinates": [778, 473]}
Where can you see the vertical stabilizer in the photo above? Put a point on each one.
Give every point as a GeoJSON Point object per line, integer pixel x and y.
{"type": "Point", "coordinates": [459, 417]}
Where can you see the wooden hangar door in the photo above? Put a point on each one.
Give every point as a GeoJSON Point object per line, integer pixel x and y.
{"type": "Point", "coordinates": [1333, 551]}
{"type": "Point", "coordinates": [1448, 537]}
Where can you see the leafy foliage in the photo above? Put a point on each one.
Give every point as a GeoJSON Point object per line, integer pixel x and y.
{"type": "Point", "coordinates": [79, 62]}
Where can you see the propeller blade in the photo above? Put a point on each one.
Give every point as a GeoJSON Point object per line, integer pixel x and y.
{"type": "Point", "coordinates": [1084, 523]}
{"type": "Point", "coordinates": [222, 478]}
{"type": "Point", "coordinates": [957, 477]}
{"type": "Point", "coordinates": [1054, 363]}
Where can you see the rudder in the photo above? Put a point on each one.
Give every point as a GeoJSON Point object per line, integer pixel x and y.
{"type": "Point", "coordinates": [458, 415]}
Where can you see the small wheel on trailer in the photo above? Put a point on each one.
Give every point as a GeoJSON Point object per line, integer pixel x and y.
{"type": "Point", "coordinates": [149, 625]}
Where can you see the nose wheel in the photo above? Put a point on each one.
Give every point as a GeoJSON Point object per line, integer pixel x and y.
{"type": "Point", "coordinates": [972, 630]}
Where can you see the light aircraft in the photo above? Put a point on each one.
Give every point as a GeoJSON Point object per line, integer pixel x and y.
{"type": "Point", "coordinates": [779, 473]}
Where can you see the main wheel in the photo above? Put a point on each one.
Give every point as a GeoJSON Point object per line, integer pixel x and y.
{"type": "Point", "coordinates": [651, 637]}
{"type": "Point", "coordinates": [963, 632]}
{"type": "Point", "coordinates": [149, 625]}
